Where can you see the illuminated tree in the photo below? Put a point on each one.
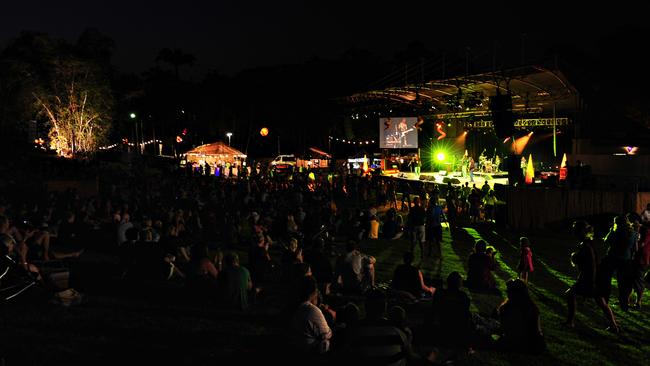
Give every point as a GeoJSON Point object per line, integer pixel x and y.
{"type": "Point", "coordinates": [66, 85]}
{"type": "Point", "coordinates": [77, 104]}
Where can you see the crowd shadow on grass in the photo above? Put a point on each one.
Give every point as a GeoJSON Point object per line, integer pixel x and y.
{"type": "Point", "coordinates": [549, 287]}
{"type": "Point", "coordinates": [551, 306]}
{"type": "Point", "coordinates": [555, 281]}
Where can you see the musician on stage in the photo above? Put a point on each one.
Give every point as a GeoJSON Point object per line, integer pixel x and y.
{"type": "Point", "coordinates": [497, 162]}
{"type": "Point", "coordinates": [482, 159]}
{"type": "Point", "coordinates": [523, 165]}
{"type": "Point", "coordinates": [471, 166]}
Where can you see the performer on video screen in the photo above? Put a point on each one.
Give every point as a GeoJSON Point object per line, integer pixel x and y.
{"type": "Point", "coordinates": [403, 129]}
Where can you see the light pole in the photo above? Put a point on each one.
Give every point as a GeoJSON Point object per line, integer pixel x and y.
{"type": "Point", "coordinates": [229, 134]}
{"type": "Point", "coordinates": [137, 144]}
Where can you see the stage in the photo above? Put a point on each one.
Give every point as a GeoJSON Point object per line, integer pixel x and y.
{"type": "Point", "coordinates": [456, 178]}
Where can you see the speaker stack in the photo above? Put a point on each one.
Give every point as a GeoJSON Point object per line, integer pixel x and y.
{"type": "Point", "coordinates": [502, 116]}
{"type": "Point", "coordinates": [515, 174]}
{"type": "Point", "coordinates": [446, 180]}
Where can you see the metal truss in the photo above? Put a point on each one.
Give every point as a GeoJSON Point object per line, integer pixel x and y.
{"type": "Point", "coordinates": [521, 123]}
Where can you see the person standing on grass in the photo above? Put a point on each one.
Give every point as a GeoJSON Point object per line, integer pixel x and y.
{"type": "Point", "coordinates": [416, 224]}
{"type": "Point", "coordinates": [525, 260]}
{"type": "Point", "coordinates": [641, 265]}
{"type": "Point", "coordinates": [406, 196]}
{"type": "Point", "coordinates": [592, 280]}
{"type": "Point", "coordinates": [471, 167]}
{"type": "Point", "coordinates": [645, 216]}
{"type": "Point", "coordinates": [434, 218]}
{"type": "Point", "coordinates": [621, 242]}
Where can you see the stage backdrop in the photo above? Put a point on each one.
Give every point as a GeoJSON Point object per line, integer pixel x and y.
{"type": "Point", "coordinates": [398, 133]}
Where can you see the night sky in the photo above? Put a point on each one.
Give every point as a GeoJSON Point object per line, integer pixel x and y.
{"type": "Point", "coordinates": [229, 36]}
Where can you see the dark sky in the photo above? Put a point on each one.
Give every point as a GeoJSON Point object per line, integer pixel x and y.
{"type": "Point", "coordinates": [229, 36]}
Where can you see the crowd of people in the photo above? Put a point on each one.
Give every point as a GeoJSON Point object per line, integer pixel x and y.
{"type": "Point", "coordinates": [196, 230]}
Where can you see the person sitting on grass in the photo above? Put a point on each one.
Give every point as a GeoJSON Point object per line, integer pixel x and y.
{"type": "Point", "coordinates": [390, 228]}
{"type": "Point", "coordinates": [408, 280]}
{"type": "Point", "coordinates": [355, 271]}
{"type": "Point", "coordinates": [17, 277]}
{"type": "Point", "coordinates": [147, 261]}
{"type": "Point", "coordinates": [450, 313]}
{"type": "Point", "coordinates": [521, 329]}
{"type": "Point", "coordinates": [480, 266]}
{"type": "Point", "coordinates": [376, 340]}
{"type": "Point", "coordinates": [397, 316]}
{"type": "Point", "coordinates": [34, 244]}
{"type": "Point", "coordinates": [234, 283]}
{"type": "Point", "coordinates": [320, 266]}
{"type": "Point", "coordinates": [202, 272]}
{"type": "Point", "coordinates": [12, 269]}
{"type": "Point", "coordinates": [311, 332]}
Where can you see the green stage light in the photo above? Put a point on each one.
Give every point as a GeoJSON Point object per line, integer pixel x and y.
{"type": "Point", "coordinates": [440, 156]}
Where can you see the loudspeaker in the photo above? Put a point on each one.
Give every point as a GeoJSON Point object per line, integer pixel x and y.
{"type": "Point", "coordinates": [515, 174]}
{"type": "Point", "coordinates": [502, 117]}
{"type": "Point", "coordinates": [446, 180]}
{"type": "Point", "coordinates": [551, 181]}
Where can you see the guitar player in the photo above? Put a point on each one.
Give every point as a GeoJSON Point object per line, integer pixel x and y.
{"type": "Point", "coordinates": [403, 130]}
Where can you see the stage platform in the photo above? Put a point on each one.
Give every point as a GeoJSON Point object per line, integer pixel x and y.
{"type": "Point", "coordinates": [456, 178]}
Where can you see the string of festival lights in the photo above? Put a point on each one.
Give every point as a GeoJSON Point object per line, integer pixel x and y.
{"type": "Point", "coordinates": [351, 142]}
{"type": "Point", "coordinates": [129, 143]}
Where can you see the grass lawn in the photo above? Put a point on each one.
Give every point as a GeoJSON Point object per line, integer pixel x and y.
{"type": "Point", "coordinates": [158, 324]}
{"type": "Point", "coordinates": [587, 344]}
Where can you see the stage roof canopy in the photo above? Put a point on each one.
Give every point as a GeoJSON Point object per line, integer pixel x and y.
{"type": "Point", "coordinates": [534, 90]}
{"type": "Point", "coordinates": [320, 153]}
{"type": "Point", "coordinates": [216, 148]}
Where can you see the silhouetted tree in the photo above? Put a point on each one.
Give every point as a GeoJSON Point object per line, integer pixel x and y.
{"type": "Point", "coordinates": [176, 58]}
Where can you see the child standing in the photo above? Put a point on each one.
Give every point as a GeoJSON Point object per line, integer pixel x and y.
{"type": "Point", "coordinates": [526, 259]}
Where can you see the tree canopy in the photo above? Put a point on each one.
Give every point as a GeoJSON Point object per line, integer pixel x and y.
{"type": "Point", "coordinates": [65, 86]}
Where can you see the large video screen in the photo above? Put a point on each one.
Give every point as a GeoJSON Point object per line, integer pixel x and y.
{"type": "Point", "coordinates": [398, 133]}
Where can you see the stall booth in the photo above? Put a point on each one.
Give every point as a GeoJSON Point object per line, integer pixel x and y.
{"type": "Point", "coordinates": [314, 159]}
{"type": "Point", "coordinates": [218, 156]}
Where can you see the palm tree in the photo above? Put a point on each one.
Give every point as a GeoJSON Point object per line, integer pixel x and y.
{"type": "Point", "coordinates": [176, 58]}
